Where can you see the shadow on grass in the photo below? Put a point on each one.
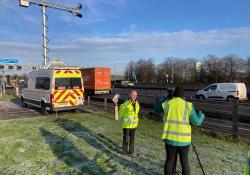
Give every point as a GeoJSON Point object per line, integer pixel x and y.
{"type": "Point", "coordinates": [98, 114]}
{"type": "Point", "coordinates": [102, 143]}
{"type": "Point", "coordinates": [66, 152]}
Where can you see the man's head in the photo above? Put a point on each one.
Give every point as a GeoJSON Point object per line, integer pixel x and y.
{"type": "Point", "coordinates": [179, 92]}
{"type": "Point", "coordinates": [133, 95]}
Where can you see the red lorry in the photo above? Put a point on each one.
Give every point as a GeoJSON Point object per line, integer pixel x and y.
{"type": "Point", "coordinates": [96, 80]}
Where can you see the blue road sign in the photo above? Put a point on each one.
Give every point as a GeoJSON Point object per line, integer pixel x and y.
{"type": "Point", "coordinates": [9, 60]}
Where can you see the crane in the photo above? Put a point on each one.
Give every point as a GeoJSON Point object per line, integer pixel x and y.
{"type": "Point", "coordinates": [44, 4]}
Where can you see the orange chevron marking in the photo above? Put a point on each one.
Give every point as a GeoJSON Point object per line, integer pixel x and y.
{"type": "Point", "coordinates": [72, 96]}
{"type": "Point", "coordinates": [65, 98]}
{"type": "Point", "coordinates": [55, 92]}
{"type": "Point", "coordinates": [59, 96]}
{"type": "Point", "coordinates": [77, 92]}
{"type": "Point", "coordinates": [72, 104]}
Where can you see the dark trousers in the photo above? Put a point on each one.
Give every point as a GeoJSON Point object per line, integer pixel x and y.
{"type": "Point", "coordinates": [128, 140]}
{"type": "Point", "coordinates": [172, 152]}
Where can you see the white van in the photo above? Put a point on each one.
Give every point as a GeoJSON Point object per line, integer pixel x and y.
{"type": "Point", "coordinates": [223, 91]}
{"type": "Point", "coordinates": [127, 84]}
{"type": "Point", "coordinates": [54, 89]}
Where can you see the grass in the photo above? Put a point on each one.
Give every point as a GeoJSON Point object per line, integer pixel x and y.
{"type": "Point", "coordinates": [90, 143]}
{"type": "Point", "coordinates": [8, 97]}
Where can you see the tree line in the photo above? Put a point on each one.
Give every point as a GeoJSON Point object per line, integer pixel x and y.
{"type": "Point", "coordinates": [230, 68]}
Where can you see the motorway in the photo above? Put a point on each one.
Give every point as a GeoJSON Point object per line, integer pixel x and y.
{"type": "Point", "coordinates": [221, 109]}
{"type": "Point", "coordinates": [209, 124]}
{"type": "Point", "coordinates": [219, 114]}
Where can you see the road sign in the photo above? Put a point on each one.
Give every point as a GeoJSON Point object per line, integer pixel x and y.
{"type": "Point", "coordinates": [9, 60]}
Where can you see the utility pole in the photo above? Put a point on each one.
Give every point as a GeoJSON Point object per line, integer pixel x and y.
{"type": "Point", "coordinates": [44, 4]}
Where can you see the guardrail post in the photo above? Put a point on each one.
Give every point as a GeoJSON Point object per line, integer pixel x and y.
{"type": "Point", "coordinates": [235, 119]}
{"type": "Point", "coordinates": [3, 90]}
{"type": "Point", "coordinates": [88, 101]}
{"type": "Point", "coordinates": [105, 103]}
{"type": "Point", "coordinates": [116, 112]}
{"type": "Point", "coordinates": [17, 91]}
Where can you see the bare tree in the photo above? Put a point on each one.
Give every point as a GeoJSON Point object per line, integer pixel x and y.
{"type": "Point", "coordinates": [145, 70]}
{"type": "Point", "coordinates": [214, 69]}
{"type": "Point", "coordinates": [212, 66]}
{"type": "Point", "coordinates": [247, 70]}
{"type": "Point", "coordinates": [232, 66]}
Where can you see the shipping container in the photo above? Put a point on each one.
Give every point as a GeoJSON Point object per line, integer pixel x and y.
{"type": "Point", "coordinates": [97, 80]}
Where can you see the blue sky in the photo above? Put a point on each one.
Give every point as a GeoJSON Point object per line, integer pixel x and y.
{"type": "Point", "coordinates": [111, 33]}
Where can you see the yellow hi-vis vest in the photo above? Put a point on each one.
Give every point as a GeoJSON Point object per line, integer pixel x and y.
{"type": "Point", "coordinates": [247, 167]}
{"type": "Point", "coordinates": [176, 120]}
{"type": "Point", "coordinates": [129, 115]}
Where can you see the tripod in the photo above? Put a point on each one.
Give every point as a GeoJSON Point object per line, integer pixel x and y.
{"type": "Point", "coordinates": [197, 156]}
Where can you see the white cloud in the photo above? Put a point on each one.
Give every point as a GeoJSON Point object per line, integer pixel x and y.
{"type": "Point", "coordinates": [100, 50]}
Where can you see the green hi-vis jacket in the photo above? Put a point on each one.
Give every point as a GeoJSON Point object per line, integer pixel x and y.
{"type": "Point", "coordinates": [129, 114]}
{"type": "Point", "coordinates": [176, 120]}
{"type": "Point", "coordinates": [247, 167]}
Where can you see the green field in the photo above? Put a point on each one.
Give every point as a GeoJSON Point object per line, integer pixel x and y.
{"type": "Point", "coordinates": [90, 143]}
{"type": "Point", "coordinates": [7, 97]}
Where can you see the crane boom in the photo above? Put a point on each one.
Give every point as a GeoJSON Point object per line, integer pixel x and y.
{"type": "Point", "coordinates": [75, 11]}
{"type": "Point", "coordinates": [45, 3]}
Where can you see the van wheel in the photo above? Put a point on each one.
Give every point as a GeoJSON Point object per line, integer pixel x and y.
{"type": "Point", "coordinates": [43, 109]}
{"type": "Point", "coordinates": [23, 103]}
{"type": "Point", "coordinates": [230, 98]}
{"type": "Point", "coordinates": [201, 97]}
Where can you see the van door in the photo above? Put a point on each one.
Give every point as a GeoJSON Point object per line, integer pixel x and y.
{"type": "Point", "coordinates": [211, 92]}
{"type": "Point", "coordinates": [242, 91]}
{"type": "Point", "coordinates": [68, 92]}
{"type": "Point", "coordinates": [28, 92]}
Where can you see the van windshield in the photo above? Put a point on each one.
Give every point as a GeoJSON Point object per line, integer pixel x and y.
{"type": "Point", "coordinates": [68, 83]}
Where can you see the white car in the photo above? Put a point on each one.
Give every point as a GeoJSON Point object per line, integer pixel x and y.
{"type": "Point", "coordinates": [223, 91]}
{"type": "Point", "coordinates": [127, 84]}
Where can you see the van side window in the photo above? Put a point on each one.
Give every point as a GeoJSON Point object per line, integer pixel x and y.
{"type": "Point", "coordinates": [43, 83]}
{"type": "Point", "coordinates": [212, 88]}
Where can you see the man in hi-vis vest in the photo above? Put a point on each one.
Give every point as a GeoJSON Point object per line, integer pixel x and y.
{"type": "Point", "coordinates": [179, 115]}
{"type": "Point", "coordinates": [129, 113]}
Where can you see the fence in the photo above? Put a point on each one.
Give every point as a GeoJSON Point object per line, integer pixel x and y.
{"type": "Point", "coordinates": [216, 120]}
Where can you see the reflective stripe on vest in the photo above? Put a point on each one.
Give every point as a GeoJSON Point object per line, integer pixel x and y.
{"type": "Point", "coordinates": [184, 122]}
{"type": "Point", "coordinates": [130, 119]}
{"type": "Point", "coordinates": [176, 133]}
